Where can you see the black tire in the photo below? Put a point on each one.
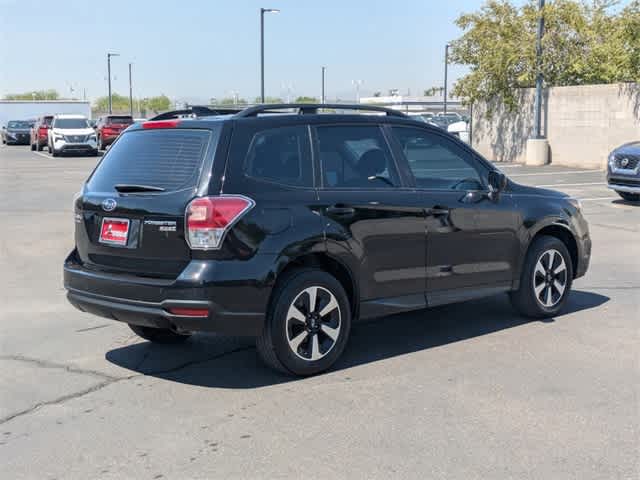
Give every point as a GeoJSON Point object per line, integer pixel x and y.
{"type": "Point", "coordinates": [39, 146]}
{"type": "Point", "coordinates": [94, 153]}
{"type": "Point", "coordinates": [159, 335]}
{"type": "Point", "coordinates": [630, 197]}
{"type": "Point", "coordinates": [33, 147]}
{"type": "Point", "coordinates": [274, 344]}
{"type": "Point", "coordinates": [526, 300]}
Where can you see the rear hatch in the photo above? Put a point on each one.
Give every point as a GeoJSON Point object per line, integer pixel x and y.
{"type": "Point", "coordinates": [130, 215]}
{"type": "Point", "coordinates": [115, 125]}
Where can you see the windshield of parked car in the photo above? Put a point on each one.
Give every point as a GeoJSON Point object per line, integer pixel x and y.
{"type": "Point", "coordinates": [18, 124]}
{"type": "Point", "coordinates": [70, 123]}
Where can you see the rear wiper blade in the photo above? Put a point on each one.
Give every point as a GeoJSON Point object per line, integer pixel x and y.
{"type": "Point", "coordinates": [131, 188]}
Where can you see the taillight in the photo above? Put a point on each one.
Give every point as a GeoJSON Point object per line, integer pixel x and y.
{"type": "Point", "coordinates": [161, 124]}
{"type": "Point", "coordinates": [208, 219]}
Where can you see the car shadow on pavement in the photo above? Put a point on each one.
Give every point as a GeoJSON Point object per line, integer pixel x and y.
{"type": "Point", "coordinates": [226, 362]}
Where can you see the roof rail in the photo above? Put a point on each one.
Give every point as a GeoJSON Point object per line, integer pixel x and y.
{"type": "Point", "coordinates": [312, 108]}
{"type": "Point", "coordinates": [196, 111]}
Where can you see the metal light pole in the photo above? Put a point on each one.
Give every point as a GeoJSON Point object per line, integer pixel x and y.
{"type": "Point", "coordinates": [262, 12]}
{"type": "Point", "coordinates": [109, 55]}
{"type": "Point", "coordinates": [446, 72]}
{"type": "Point", "coordinates": [357, 83]}
{"type": "Point", "coordinates": [539, 77]}
{"type": "Point", "coordinates": [130, 92]}
{"type": "Point", "coordinates": [323, 97]}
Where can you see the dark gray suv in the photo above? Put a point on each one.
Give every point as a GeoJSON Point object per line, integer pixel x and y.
{"type": "Point", "coordinates": [623, 171]}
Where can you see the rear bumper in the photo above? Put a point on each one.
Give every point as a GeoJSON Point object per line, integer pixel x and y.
{"type": "Point", "coordinates": [235, 308]}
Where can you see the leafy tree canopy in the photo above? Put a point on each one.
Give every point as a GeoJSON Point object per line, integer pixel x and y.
{"type": "Point", "coordinates": [585, 42]}
{"type": "Point", "coordinates": [268, 100]}
{"type": "Point", "coordinates": [50, 94]}
{"type": "Point", "coordinates": [120, 104]}
{"type": "Point", "coordinates": [304, 99]}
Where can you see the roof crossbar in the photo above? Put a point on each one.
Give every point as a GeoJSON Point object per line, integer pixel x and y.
{"type": "Point", "coordinates": [312, 108]}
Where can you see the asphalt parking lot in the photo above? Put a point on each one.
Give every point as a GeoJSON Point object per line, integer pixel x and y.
{"type": "Point", "coordinates": [464, 391]}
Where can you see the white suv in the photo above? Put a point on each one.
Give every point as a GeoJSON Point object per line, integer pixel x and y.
{"type": "Point", "coordinates": [71, 133]}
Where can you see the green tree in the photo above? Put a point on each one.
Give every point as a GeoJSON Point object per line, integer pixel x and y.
{"type": "Point", "coordinates": [584, 43]}
{"type": "Point", "coordinates": [120, 104]}
{"type": "Point", "coordinates": [50, 94]}
{"type": "Point", "coordinates": [268, 100]}
{"type": "Point", "coordinates": [161, 103]}
{"type": "Point", "coordinates": [303, 99]}
{"type": "Point", "coordinates": [230, 101]}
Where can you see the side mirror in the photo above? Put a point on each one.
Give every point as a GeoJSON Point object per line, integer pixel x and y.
{"type": "Point", "coordinates": [497, 182]}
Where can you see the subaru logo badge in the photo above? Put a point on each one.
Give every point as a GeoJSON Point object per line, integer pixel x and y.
{"type": "Point", "coordinates": [624, 162]}
{"type": "Point", "coordinates": [109, 204]}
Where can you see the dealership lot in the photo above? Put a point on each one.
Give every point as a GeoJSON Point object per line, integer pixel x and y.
{"type": "Point", "coordinates": [462, 391]}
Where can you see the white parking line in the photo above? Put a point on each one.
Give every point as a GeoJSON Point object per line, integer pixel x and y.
{"type": "Point", "coordinates": [45, 155]}
{"type": "Point", "coordinates": [570, 184]}
{"type": "Point", "coordinates": [597, 198]}
{"type": "Point", "coordinates": [556, 173]}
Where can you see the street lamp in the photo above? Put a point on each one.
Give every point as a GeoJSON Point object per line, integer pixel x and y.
{"type": "Point", "coordinates": [446, 68]}
{"type": "Point", "coordinates": [109, 55]}
{"type": "Point", "coordinates": [130, 92]}
{"type": "Point", "coordinates": [323, 97]}
{"type": "Point", "coordinates": [357, 83]}
{"type": "Point", "coordinates": [262, 12]}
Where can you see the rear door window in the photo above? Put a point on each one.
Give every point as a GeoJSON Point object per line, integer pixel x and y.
{"type": "Point", "coordinates": [355, 157]}
{"type": "Point", "coordinates": [170, 159]}
{"type": "Point", "coordinates": [281, 155]}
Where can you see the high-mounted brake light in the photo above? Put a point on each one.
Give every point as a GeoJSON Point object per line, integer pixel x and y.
{"type": "Point", "coordinates": [160, 124]}
{"type": "Point", "coordinates": [208, 219]}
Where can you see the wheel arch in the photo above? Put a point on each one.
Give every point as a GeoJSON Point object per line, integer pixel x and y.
{"type": "Point", "coordinates": [562, 232]}
{"type": "Point", "coordinates": [322, 261]}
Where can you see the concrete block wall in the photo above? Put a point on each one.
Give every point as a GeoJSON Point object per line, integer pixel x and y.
{"type": "Point", "coordinates": [582, 124]}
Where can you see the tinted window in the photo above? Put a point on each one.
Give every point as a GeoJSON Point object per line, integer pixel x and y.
{"type": "Point", "coordinates": [355, 157]}
{"type": "Point", "coordinates": [169, 159]}
{"type": "Point", "coordinates": [281, 155]}
{"type": "Point", "coordinates": [18, 124]}
{"type": "Point", "coordinates": [126, 120]}
{"type": "Point", "coordinates": [437, 162]}
{"type": "Point", "coordinates": [70, 123]}
{"type": "Point", "coordinates": [47, 120]}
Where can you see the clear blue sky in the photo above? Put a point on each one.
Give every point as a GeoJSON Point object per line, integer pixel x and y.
{"type": "Point", "coordinates": [197, 49]}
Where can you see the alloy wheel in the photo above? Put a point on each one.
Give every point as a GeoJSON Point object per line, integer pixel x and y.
{"type": "Point", "coordinates": [550, 278]}
{"type": "Point", "coordinates": [313, 323]}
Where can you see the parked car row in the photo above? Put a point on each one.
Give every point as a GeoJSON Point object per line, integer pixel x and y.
{"type": "Point", "coordinates": [66, 133]}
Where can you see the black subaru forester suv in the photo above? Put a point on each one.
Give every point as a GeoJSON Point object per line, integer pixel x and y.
{"type": "Point", "coordinates": [290, 222]}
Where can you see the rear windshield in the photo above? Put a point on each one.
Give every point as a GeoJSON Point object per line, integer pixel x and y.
{"type": "Point", "coordinates": [47, 120]}
{"type": "Point", "coordinates": [120, 120]}
{"type": "Point", "coordinates": [170, 159]}
{"type": "Point", "coordinates": [70, 123]}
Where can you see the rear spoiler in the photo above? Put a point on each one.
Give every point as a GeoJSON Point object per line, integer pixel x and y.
{"type": "Point", "coordinates": [196, 111]}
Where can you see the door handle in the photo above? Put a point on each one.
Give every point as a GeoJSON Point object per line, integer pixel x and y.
{"type": "Point", "coordinates": [437, 211]}
{"type": "Point", "coordinates": [342, 210]}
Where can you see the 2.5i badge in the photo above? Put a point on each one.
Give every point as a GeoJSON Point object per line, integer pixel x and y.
{"type": "Point", "coordinates": [114, 231]}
